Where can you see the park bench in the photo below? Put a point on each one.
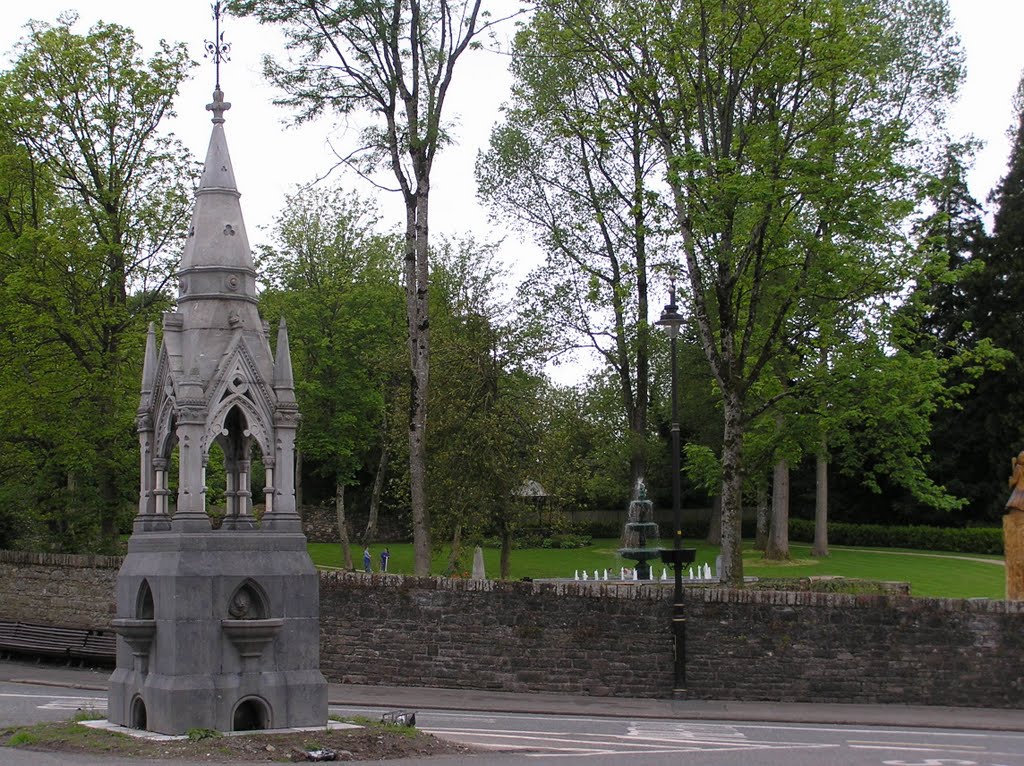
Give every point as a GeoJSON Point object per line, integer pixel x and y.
{"type": "Point", "coordinates": [98, 646]}
{"type": "Point", "coordinates": [55, 642]}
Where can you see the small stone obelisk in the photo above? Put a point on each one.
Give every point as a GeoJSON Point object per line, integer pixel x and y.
{"type": "Point", "coordinates": [478, 564]}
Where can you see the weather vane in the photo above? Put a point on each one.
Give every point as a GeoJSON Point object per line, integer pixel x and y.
{"type": "Point", "coordinates": [217, 49]}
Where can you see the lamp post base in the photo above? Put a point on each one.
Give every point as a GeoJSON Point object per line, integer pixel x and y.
{"type": "Point", "coordinates": [678, 557]}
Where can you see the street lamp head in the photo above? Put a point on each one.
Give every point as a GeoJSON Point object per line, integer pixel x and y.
{"type": "Point", "coordinates": [670, 316]}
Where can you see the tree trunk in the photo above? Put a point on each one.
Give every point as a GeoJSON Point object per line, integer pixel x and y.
{"type": "Point", "coordinates": [416, 279]}
{"type": "Point", "coordinates": [821, 507]}
{"type": "Point", "coordinates": [732, 489]}
{"type": "Point", "coordinates": [763, 516]}
{"type": "Point", "coordinates": [370, 534]}
{"type": "Point", "coordinates": [778, 538]}
{"type": "Point", "coordinates": [298, 482]}
{"type": "Point", "coordinates": [339, 509]}
{"type": "Point", "coordinates": [715, 522]}
{"type": "Point", "coordinates": [453, 556]}
{"type": "Point", "coordinates": [505, 565]}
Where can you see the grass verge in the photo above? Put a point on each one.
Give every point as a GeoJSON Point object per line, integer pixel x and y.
{"type": "Point", "coordinates": [930, 573]}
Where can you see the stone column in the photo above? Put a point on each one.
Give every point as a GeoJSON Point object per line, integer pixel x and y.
{"type": "Point", "coordinates": [283, 514]}
{"type": "Point", "coordinates": [160, 491]}
{"type": "Point", "coordinates": [1013, 543]}
{"type": "Point", "coordinates": [190, 515]}
{"type": "Point", "coordinates": [147, 479]}
{"type": "Point", "coordinates": [268, 487]}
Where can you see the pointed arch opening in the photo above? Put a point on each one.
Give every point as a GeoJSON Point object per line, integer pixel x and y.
{"type": "Point", "coordinates": [240, 473]}
{"type": "Point", "coordinates": [144, 607]}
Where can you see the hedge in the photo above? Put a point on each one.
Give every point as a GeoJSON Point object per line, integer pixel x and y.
{"type": "Point", "coordinates": [972, 540]}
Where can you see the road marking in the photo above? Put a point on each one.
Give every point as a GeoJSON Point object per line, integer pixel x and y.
{"type": "Point", "coordinates": [58, 702]}
{"type": "Point", "coordinates": [572, 743]}
{"type": "Point", "coordinates": [924, 745]}
{"type": "Point", "coordinates": [70, 703]}
{"type": "Point", "coordinates": [685, 731]}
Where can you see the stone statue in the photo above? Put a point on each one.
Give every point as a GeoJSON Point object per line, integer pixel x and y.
{"type": "Point", "coordinates": [1013, 532]}
{"type": "Point", "coordinates": [1016, 482]}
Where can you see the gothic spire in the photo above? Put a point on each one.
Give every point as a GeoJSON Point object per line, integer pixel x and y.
{"type": "Point", "coordinates": [217, 263]}
{"type": "Point", "coordinates": [149, 362]}
{"type": "Point", "coordinates": [283, 378]}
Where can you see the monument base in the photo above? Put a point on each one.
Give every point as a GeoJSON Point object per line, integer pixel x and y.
{"type": "Point", "coordinates": [217, 631]}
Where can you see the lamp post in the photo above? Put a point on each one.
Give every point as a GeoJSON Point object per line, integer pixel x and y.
{"type": "Point", "coordinates": [677, 555]}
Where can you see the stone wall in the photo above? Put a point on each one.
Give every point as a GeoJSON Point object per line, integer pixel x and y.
{"type": "Point", "coordinates": [58, 589]}
{"type": "Point", "coordinates": [598, 639]}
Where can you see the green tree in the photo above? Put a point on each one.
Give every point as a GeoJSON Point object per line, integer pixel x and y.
{"type": "Point", "coordinates": [336, 280]}
{"type": "Point", "coordinates": [394, 62]}
{"type": "Point", "coordinates": [784, 125]}
{"type": "Point", "coordinates": [980, 301]}
{"type": "Point", "coordinates": [483, 401]}
{"type": "Point", "coordinates": [573, 165]}
{"type": "Point", "coordinates": [96, 203]}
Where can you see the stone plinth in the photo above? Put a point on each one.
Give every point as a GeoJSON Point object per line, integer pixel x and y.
{"type": "Point", "coordinates": [1013, 544]}
{"type": "Point", "coordinates": [232, 633]}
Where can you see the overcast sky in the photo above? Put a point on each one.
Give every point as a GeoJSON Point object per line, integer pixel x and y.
{"type": "Point", "coordinates": [270, 159]}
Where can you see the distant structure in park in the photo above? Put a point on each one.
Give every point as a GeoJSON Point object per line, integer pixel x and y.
{"type": "Point", "coordinates": [218, 628]}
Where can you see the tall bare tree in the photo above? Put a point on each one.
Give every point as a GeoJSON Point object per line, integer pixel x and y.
{"type": "Point", "coordinates": [392, 61]}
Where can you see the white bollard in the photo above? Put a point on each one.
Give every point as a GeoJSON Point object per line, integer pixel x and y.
{"type": "Point", "coordinates": [606, 575]}
{"type": "Point", "coordinates": [584, 574]}
{"type": "Point", "coordinates": [596, 575]}
{"type": "Point", "coordinates": [634, 573]}
{"type": "Point", "coordinates": [689, 573]}
{"type": "Point", "coordinates": [577, 575]}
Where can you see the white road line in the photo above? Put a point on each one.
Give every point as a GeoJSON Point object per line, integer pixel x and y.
{"type": "Point", "coordinates": [620, 743]}
{"type": "Point", "coordinates": [52, 697]}
{"type": "Point", "coordinates": [71, 705]}
{"type": "Point", "coordinates": [863, 742]}
{"type": "Point", "coordinates": [881, 729]}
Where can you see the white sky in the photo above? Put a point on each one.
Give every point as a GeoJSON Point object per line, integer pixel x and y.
{"type": "Point", "coordinates": [271, 159]}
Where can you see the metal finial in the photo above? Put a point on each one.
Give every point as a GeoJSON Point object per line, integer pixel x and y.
{"type": "Point", "coordinates": [217, 49]}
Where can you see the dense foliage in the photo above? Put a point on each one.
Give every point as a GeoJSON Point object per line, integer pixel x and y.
{"type": "Point", "coordinates": [783, 161]}
{"type": "Point", "coordinates": [93, 206]}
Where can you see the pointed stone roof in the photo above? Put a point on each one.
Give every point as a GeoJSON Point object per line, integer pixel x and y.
{"type": "Point", "coordinates": [217, 261]}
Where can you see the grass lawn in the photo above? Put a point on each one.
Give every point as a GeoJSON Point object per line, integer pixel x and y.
{"type": "Point", "coordinates": [948, 575]}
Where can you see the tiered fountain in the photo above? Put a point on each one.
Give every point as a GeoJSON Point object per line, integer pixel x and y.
{"type": "Point", "coordinates": [640, 541]}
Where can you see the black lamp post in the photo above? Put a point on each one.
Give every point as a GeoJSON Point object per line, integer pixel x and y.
{"type": "Point", "coordinates": [677, 555]}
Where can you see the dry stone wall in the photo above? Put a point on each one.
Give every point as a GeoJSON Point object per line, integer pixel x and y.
{"type": "Point", "coordinates": [598, 639]}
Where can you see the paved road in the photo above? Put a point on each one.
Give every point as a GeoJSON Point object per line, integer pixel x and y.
{"type": "Point", "coordinates": [604, 732]}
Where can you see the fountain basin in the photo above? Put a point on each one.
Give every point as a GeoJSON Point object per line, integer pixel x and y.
{"type": "Point", "coordinates": [251, 637]}
{"type": "Point", "coordinates": [138, 633]}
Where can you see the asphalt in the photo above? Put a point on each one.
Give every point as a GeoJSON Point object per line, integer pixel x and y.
{"type": "Point", "coordinates": [413, 698]}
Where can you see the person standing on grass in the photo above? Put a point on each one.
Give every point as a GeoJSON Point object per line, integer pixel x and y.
{"type": "Point", "coordinates": [366, 559]}
{"type": "Point", "coordinates": [384, 556]}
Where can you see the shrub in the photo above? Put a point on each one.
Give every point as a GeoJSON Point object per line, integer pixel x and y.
{"type": "Point", "coordinates": [566, 541]}
{"type": "Point", "coordinates": [600, 529]}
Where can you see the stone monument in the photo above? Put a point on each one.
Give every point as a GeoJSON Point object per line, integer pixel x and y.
{"type": "Point", "coordinates": [218, 628]}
